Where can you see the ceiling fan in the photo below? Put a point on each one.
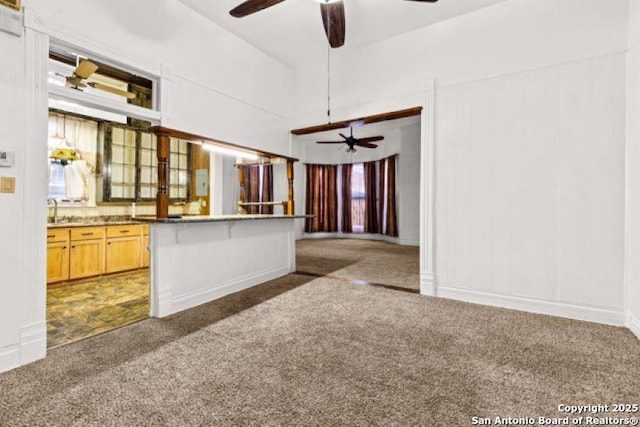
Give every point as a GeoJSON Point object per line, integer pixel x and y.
{"type": "Point", "coordinates": [84, 70]}
{"type": "Point", "coordinates": [332, 15]}
{"type": "Point", "coordinates": [352, 142]}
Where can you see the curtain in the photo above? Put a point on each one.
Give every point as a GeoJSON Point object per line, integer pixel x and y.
{"type": "Point", "coordinates": [391, 223]}
{"type": "Point", "coordinates": [257, 187]}
{"type": "Point", "coordinates": [267, 189]}
{"type": "Point", "coordinates": [346, 171]}
{"type": "Point", "coordinates": [371, 224]}
{"type": "Point", "coordinates": [322, 198]}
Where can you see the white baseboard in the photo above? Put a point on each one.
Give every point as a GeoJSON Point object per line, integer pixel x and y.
{"type": "Point", "coordinates": [9, 358]}
{"type": "Point", "coordinates": [428, 284]}
{"type": "Point", "coordinates": [32, 347]}
{"type": "Point", "coordinates": [633, 323]}
{"type": "Point", "coordinates": [590, 314]}
{"type": "Point", "coordinates": [190, 300]}
{"type": "Point", "coordinates": [33, 342]}
{"type": "Point", "coordinates": [363, 236]}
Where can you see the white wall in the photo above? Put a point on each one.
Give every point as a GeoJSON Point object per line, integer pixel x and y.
{"type": "Point", "coordinates": [213, 84]}
{"type": "Point", "coordinates": [12, 244]}
{"type": "Point", "coordinates": [633, 171]}
{"type": "Point", "coordinates": [529, 142]}
{"type": "Point", "coordinates": [404, 141]}
{"type": "Point", "coordinates": [530, 189]}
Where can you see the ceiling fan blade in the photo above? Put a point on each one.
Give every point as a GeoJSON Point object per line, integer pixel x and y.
{"type": "Point", "coordinates": [75, 82]}
{"type": "Point", "coordinates": [371, 139]}
{"type": "Point", "coordinates": [329, 142]}
{"type": "Point", "coordinates": [85, 69]}
{"type": "Point", "coordinates": [342, 135]}
{"type": "Point", "coordinates": [366, 144]}
{"type": "Point", "coordinates": [252, 6]}
{"type": "Point", "coordinates": [114, 90]}
{"type": "Point", "coordinates": [334, 22]}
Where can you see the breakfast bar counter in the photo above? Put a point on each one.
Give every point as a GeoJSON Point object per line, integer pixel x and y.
{"type": "Point", "coordinates": [197, 259]}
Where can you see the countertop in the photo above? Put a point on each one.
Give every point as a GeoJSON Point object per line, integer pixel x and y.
{"type": "Point", "coordinates": [215, 218]}
{"type": "Point", "coordinates": [92, 224]}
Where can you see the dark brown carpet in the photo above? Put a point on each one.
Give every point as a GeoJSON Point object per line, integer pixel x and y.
{"type": "Point", "coordinates": [326, 352]}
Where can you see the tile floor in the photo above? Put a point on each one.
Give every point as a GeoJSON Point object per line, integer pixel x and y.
{"type": "Point", "coordinates": [88, 308]}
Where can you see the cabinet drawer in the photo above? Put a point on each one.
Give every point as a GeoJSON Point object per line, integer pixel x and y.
{"type": "Point", "coordinates": [57, 235]}
{"type": "Point", "coordinates": [124, 231]}
{"type": "Point", "coordinates": [87, 233]}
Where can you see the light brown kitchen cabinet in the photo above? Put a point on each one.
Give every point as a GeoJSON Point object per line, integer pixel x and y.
{"type": "Point", "coordinates": [81, 252]}
{"type": "Point", "coordinates": [146, 255]}
{"type": "Point", "coordinates": [87, 258]}
{"type": "Point", "coordinates": [57, 262]}
{"type": "Point", "coordinates": [123, 248]}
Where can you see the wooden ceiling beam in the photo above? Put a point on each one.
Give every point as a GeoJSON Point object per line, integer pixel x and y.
{"type": "Point", "coordinates": [401, 114]}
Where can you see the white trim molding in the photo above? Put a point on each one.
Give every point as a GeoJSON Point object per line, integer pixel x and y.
{"type": "Point", "coordinates": [194, 299]}
{"type": "Point", "coordinates": [633, 323]}
{"type": "Point", "coordinates": [9, 358]}
{"type": "Point", "coordinates": [559, 309]}
{"type": "Point", "coordinates": [33, 333]}
{"type": "Point", "coordinates": [427, 188]}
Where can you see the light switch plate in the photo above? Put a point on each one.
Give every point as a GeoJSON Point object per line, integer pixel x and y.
{"type": "Point", "coordinates": [7, 158]}
{"type": "Point", "coordinates": [7, 184]}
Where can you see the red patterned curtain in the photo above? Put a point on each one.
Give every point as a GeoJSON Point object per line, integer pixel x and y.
{"type": "Point", "coordinates": [322, 198]}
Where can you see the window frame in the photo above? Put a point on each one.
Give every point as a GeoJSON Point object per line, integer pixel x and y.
{"type": "Point", "coordinates": [107, 163]}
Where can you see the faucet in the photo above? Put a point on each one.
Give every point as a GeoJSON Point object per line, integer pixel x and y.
{"type": "Point", "coordinates": [55, 208]}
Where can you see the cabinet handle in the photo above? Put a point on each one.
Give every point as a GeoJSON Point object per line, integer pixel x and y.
{"type": "Point", "coordinates": [109, 243]}
{"type": "Point", "coordinates": [64, 247]}
{"type": "Point", "coordinates": [87, 234]}
{"type": "Point", "coordinates": [125, 231]}
{"type": "Point", "coordinates": [50, 236]}
{"type": "Point", "coordinates": [73, 247]}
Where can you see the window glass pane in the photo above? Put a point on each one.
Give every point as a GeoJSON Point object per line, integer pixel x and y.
{"type": "Point", "coordinates": [183, 192]}
{"type": "Point", "coordinates": [174, 161]}
{"type": "Point", "coordinates": [145, 140]}
{"type": "Point", "coordinates": [129, 191]}
{"type": "Point", "coordinates": [130, 175]}
{"type": "Point", "coordinates": [117, 154]}
{"type": "Point", "coordinates": [116, 191]}
{"type": "Point", "coordinates": [130, 156]}
{"type": "Point", "coordinates": [117, 174]}
{"type": "Point", "coordinates": [145, 192]}
{"type": "Point", "coordinates": [182, 177]}
{"type": "Point", "coordinates": [145, 175]}
{"type": "Point", "coordinates": [173, 177]}
{"type": "Point", "coordinates": [357, 198]}
{"type": "Point", "coordinates": [183, 161]}
{"type": "Point", "coordinates": [173, 192]}
{"type": "Point", "coordinates": [117, 137]}
{"type": "Point", "coordinates": [145, 157]}
{"type": "Point", "coordinates": [130, 138]}
{"type": "Point", "coordinates": [183, 147]}
{"type": "Point", "coordinates": [174, 145]}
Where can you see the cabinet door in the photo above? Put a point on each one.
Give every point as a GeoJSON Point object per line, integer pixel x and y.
{"type": "Point", "coordinates": [123, 254]}
{"type": "Point", "coordinates": [57, 262]}
{"type": "Point", "coordinates": [145, 251]}
{"type": "Point", "coordinates": [87, 258]}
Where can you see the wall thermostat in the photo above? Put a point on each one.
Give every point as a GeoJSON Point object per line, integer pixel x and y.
{"type": "Point", "coordinates": [7, 159]}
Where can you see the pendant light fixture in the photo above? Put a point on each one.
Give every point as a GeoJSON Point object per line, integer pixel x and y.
{"type": "Point", "coordinates": [64, 153]}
